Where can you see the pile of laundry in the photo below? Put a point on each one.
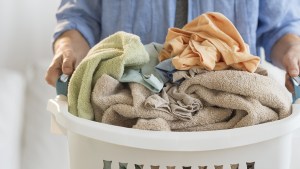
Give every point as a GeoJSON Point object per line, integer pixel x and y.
{"type": "Point", "coordinates": [202, 78]}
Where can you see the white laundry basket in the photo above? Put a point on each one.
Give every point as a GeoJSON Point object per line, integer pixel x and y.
{"type": "Point", "coordinates": [94, 145]}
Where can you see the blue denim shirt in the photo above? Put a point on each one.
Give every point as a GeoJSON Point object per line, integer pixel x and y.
{"type": "Point", "coordinates": [260, 22]}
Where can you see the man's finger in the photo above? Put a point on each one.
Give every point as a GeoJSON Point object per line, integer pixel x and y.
{"type": "Point", "coordinates": [68, 63]}
{"type": "Point", "coordinates": [54, 71]}
{"type": "Point", "coordinates": [293, 72]}
{"type": "Point", "coordinates": [288, 83]}
{"type": "Point", "coordinates": [293, 69]}
{"type": "Point", "coordinates": [291, 64]}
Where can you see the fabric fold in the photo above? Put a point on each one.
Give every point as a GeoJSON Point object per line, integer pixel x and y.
{"type": "Point", "coordinates": [111, 56]}
{"type": "Point", "coordinates": [205, 100]}
{"type": "Point", "coordinates": [147, 74]}
{"type": "Point", "coordinates": [211, 42]}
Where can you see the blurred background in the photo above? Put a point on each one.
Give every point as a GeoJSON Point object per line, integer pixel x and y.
{"type": "Point", "coordinates": [26, 28]}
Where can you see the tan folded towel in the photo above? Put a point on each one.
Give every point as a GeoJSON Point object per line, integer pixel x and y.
{"type": "Point", "coordinates": [119, 102]}
{"type": "Point", "coordinates": [260, 96]}
{"type": "Point", "coordinates": [181, 105]}
{"type": "Point", "coordinates": [209, 41]}
{"type": "Point", "coordinates": [230, 98]}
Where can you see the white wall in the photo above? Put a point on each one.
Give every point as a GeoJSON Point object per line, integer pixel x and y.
{"type": "Point", "coordinates": [26, 28]}
{"type": "Point", "coordinates": [25, 31]}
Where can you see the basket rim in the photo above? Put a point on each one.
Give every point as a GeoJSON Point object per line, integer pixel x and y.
{"type": "Point", "coordinates": [173, 141]}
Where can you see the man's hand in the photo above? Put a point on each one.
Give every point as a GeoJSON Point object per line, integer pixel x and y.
{"type": "Point", "coordinates": [286, 54]}
{"type": "Point", "coordinates": [70, 48]}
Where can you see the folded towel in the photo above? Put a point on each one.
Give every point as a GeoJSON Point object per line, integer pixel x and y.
{"type": "Point", "coordinates": [225, 99]}
{"type": "Point", "coordinates": [117, 103]}
{"type": "Point", "coordinates": [111, 56]}
{"type": "Point", "coordinates": [260, 96]}
{"type": "Point", "coordinates": [209, 41]}
{"type": "Point", "coordinates": [125, 105]}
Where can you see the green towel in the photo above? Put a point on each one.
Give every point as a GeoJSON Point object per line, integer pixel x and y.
{"type": "Point", "coordinates": [111, 56]}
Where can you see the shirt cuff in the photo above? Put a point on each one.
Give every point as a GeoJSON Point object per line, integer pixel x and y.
{"type": "Point", "coordinates": [76, 24]}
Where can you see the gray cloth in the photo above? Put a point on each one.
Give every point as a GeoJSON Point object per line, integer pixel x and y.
{"type": "Point", "coordinates": [166, 70]}
{"type": "Point", "coordinates": [230, 99]}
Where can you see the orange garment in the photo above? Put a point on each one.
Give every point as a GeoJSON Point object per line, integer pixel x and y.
{"type": "Point", "coordinates": [211, 42]}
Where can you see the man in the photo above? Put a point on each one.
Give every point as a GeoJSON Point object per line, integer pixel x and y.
{"type": "Point", "coordinates": [273, 25]}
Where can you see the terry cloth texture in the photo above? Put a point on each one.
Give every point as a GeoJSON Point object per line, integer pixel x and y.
{"type": "Point", "coordinates": [210, 41]}
{"type": "Point", "coordinates": [111, 56]}
{"type": "Point", "coordinates": [211, 100]}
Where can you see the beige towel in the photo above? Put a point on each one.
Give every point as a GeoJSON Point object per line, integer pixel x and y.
{"type": "Point", "coordinates": [152, 124]}
{"type": "Point", "coordinates": [260, 96]}
{"type": "Point", "coordinates": [124, 104]}
{"type": "Point", "coordinates": [181, 105]}
{"type": "Point", "coordinates": [111, 56]}
{"type": "Point", "coordinates": [230, 98]}
{"type": "Point", "coordinates": [119, 102]}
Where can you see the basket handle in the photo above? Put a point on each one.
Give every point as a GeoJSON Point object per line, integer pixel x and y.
{"type": "Point", "coordinates": [61, 91]}
{"type": "Point", "coordinates": [54, 108]}
{"type": "Point", "coordinates": [296, 84]}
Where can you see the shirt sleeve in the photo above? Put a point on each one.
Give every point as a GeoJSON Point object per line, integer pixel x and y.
{"type": "Point", "coordinates": [81, 15]}
{"type": "Point", "coordinates": [276, 18]}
